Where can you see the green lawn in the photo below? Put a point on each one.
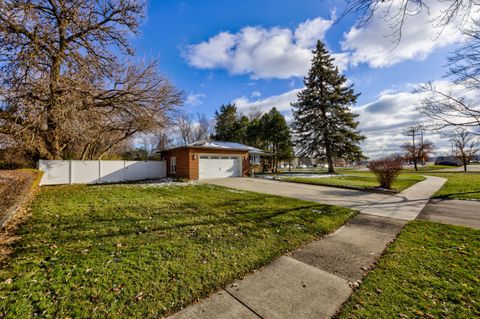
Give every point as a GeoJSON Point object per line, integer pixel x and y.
{"type": "Point", "coordinates": [362, 180]}
{"type": "Point", "coordinates": [430, 271]}
{"type": "Point", "coordinates": [429, 168]}
{"type": "Point", "coordinates": [126, 251]}
{"type": "Point", "coordinates": [459, 186]}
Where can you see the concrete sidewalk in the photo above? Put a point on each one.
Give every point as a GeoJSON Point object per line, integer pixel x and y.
{"type": "Point", "coordinates": [408, 204]}
{"type": "Point", "coordinates": [314, 281]}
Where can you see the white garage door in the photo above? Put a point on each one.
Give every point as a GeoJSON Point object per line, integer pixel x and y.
{"type": "Point", "coordinates": [219, 166]}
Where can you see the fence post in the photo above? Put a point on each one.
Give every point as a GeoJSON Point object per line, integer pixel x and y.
{"type": "Point", "coordinates": [99, 171]}
{"type": "Point", "coordinates": [70, 172]}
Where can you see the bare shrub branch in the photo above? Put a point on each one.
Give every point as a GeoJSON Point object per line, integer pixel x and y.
{"type": "Point", "coordinates": [386, 170]}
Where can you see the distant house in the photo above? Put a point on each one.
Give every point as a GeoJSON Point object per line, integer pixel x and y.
{"type": "Point", "coordinates": [448, 160]}
{"type": "Point", "coordinates": [303, 162]}
{"type": "Point", "coordinates": [211, 159]}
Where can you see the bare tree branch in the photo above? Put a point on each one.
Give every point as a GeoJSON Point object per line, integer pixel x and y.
{"type": "Point", "coordinates": [448, 109]}
{"type": "Point", "coordinates": [396, 12]}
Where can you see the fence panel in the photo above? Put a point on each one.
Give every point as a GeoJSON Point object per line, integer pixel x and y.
{"type": "Point", "coordinates": [94, 172]}
{"type": "Point", "coordinates": [135, 171]}
{"type": "Point", "coordinates": [112, 171]}
{"type": "Point", "coordinates": [55, 172]}
{"type": "Point", "coordinates": [158, 167]}
{"type": "Point", "coordinates": [84, 172]}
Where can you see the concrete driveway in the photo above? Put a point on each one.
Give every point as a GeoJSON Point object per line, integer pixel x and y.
{"type": "Point", "coordinates": [453, 212]}
{"type": "Point", "coordinates": [328, 195]}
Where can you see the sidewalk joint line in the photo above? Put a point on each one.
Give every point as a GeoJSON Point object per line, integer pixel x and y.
{"type": "Point", "coordinates": [244, 304]}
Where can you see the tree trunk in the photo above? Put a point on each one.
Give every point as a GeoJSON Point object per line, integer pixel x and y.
{"type": "Point", "coordinates": [464, 166]}
{"type": "Point", "coordinates": [415, 165]}
{"type": "Point", "coordinates": [329, 156]}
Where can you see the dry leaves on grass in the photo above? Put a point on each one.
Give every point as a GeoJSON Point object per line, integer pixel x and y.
{"type": "Point", "coordinates": [15, 189]}
{"type": "Point", "coordinates": [13, 186]}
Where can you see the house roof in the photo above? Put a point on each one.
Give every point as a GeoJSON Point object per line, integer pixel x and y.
{"type": "Point", "coordinates": [223, 145]}
{"type": "Point", "coordinates": [227, 145]}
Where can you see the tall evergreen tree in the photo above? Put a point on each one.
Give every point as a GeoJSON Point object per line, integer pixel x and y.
{"type": "Point", "coordinates": [323, 123]}
{"type": "Point", "coordinates": [228, 127]}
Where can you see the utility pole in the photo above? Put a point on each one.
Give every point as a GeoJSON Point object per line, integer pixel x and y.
{"type": "Point", "coordinates": [421, 148]}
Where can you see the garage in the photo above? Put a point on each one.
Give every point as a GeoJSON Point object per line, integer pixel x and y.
{"type": "Point", "coordinates": [216, 166]}
{"type": "Point", "coordinates": [210, 159]}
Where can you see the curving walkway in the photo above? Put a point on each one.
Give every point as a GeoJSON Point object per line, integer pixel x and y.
{"type": "Point", "coordinates": [314, 281]}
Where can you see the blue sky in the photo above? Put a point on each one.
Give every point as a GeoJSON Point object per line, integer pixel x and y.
{"type": "Point", "coordinates": [255, 53]}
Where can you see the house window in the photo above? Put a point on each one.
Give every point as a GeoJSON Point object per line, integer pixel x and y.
{"type": "Point", "coordinates": [204, 157]}
{"type": "Point", "coordinates": [173, 165]}
{"type": "Point", "coordinates": [224, 157]}
{"type": "Point", "coordinates": [255, 159]}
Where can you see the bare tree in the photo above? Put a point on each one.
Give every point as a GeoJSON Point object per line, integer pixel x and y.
{"type": "Point", "coordinates": [254, 113]}
{"type": "Point", "coordinates": [448, 109]}
{"type": "Point", "coordinates": [417, 151]}
{"type": "Point", "coordinates": [64, 92]}
{"type": "Point", "coordinates": [164, 139]}
{"type": "Point", "coordinates": [467, 146]}
{"type": "Point", "coordinates": [184, 126]}
{"type": "Point", "coordinates": [458, 106]}
{"type": "Point", "coordinates": [202, 129]}
{"type": "Point", "coordinates": [464, 63]}
{"type": "Point", "coordinates": [396, 12]}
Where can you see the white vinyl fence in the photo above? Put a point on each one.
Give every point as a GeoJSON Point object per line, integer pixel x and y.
{"type": "Point", "coordinates": [96, 172]}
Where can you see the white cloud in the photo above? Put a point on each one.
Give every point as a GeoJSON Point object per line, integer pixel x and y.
{"type": "Point", "coordinates": [384, 120]}
{"type": "Point", "coordinates": [262, 52]}
{"type": "Point", "coordinates": [195, 99]}
{"type": "Point", "coordinates": [256, 94]}
{"type": "Point", "coordinates": [309, 32]}
{"type": "Point", "coordinates": [281, 102]}
{"type": "Point", "coordinates": [214, 52]}
{"type": "Point", "coordinates": [420, 37]}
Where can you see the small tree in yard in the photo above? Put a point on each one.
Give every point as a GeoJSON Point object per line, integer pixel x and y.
{"type": "Point", "coordinates": [466, 145]}
{"type": "Point", "coordinates": [276, 136]}
{"type": "Point", "coordinates": [417, 151]}
{"type": "Point", "coordinates": [386, 170]}
{"type": "Point", "coordinates": [324, 125]}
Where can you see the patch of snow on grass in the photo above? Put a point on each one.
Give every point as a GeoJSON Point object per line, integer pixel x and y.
{"type": "Point", "coordinates": [282, 176]}
{"type": "Point", "coordinates": [163, 182]}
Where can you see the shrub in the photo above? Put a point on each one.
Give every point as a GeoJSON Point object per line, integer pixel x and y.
{"type": "Point", "coordinates": [386, 170]}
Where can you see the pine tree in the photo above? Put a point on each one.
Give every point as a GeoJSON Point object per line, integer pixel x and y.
{"type": "Point", "coordinates": [276, 136]}
{"type": "Point", "coordinates": [323, 123]}
{"type": "Point", "coordinates": [228, 127]}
